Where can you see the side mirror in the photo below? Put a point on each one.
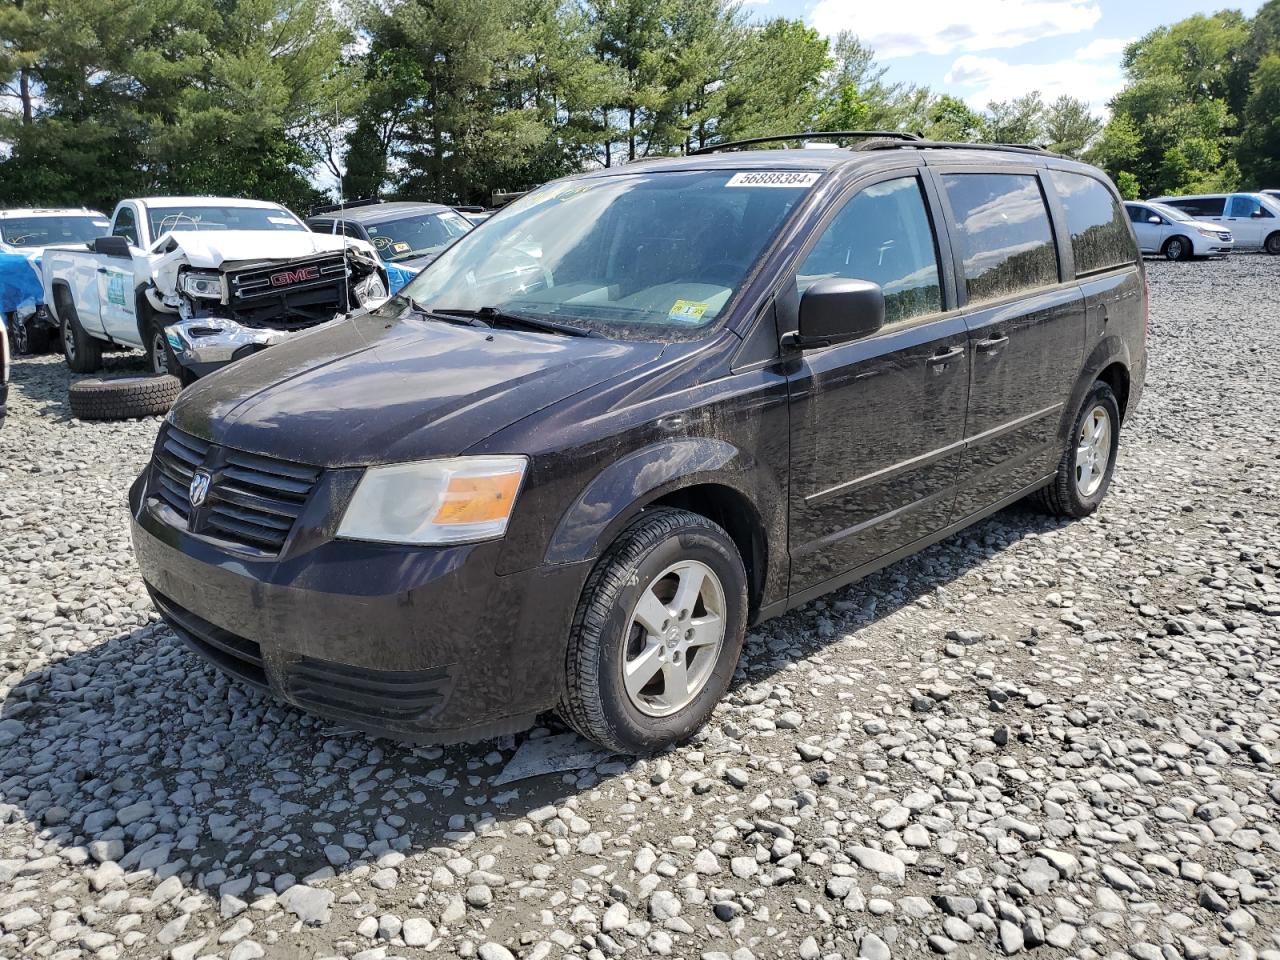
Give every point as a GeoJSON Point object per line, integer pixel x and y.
{"type": "Point", "coordinates": [1257, 214]}
{"type": "Point", "coordinates": [1153, 220]}
{"type": "Point", "coordinates": [113, 247]}
{"type": "Point", "coordinates": [837, 310]}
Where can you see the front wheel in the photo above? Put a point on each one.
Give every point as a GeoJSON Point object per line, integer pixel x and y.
{"type": "Point", "coordinates": [157, 347]}
{"type": "Point", "coordinates": [1177, 248]}
{"type": "Point", "coordinates": [1272, 244]}
{"type": "Point", "coordinates": [1089, 460]}
{"type": "Point", "coordinates": [657, 634]}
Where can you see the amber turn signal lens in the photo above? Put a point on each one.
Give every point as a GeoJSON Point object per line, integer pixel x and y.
{"type": "Point", "coordinates": [478, 499]}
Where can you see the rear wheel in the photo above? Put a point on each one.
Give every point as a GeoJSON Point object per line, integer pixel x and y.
{"type": "Point", "coordinates": [1089, 460]}
{"type": "Point", "coordinates": [83, 352]}
{"type": "Point", "coordinates": [657, 634]}
{"type": "Point", "coordinates": [1177, 248]}
{"type": "Point", "coordinates": [1272, 244]}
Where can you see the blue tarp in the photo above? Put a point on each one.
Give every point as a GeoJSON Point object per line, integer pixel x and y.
{"type": "Point", "coordinates": [20, 283]}
{"type": "Point", "coordinates": [397, 277]}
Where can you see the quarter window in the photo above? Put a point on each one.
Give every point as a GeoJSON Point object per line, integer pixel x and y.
{"type": "Point", "coordinates": [1005, 239]}
{"type": "Point", "coordinates": [1201, 206]}
{"type": "Point", "coordinates": [1099, 238]}
{"type": "Point", "coordinates": [882, 235]}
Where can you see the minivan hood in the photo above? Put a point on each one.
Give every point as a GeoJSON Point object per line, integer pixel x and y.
{"type": "Point", "coordinates": [371, 390]}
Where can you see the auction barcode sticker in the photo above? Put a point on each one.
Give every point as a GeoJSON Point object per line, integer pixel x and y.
{"type": "Point", "coordinates": [774, 178]}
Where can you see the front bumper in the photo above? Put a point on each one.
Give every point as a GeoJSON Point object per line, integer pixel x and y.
{"type": "Point", "coordinates": [424, 644]}
{"type": "Point", "coordinates": [204, 344]}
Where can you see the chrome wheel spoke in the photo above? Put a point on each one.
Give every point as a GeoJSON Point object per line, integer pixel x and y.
{"type": "Point", "coordinates": [704, 630]}
{"type": "Point", "coordinates": [686, 598]}
{"type": "Point", "coordinates": [638, 672]}
{"type": "Point", "coordinates": [651, 613]}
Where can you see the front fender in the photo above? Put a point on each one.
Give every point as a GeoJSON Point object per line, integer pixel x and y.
{"type": "Point", "coordinates": [624, 487]}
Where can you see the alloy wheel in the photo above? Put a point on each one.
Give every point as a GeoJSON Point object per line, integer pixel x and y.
{"type": "Point", "coordinates": [1093, 450]}
{"type": "Point", "coordinates": [68, 340]}
{"type": "Point", "coordinates": [158, 347]}
{"type": "Point", "coordinates": [674, 638]}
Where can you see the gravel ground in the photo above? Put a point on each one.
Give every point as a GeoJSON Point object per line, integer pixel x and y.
{"type": "Point", "coordinates": [1035, 737]}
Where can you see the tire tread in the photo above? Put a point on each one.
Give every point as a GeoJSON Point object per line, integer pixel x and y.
{"type": "Point", "coordinates": [122, 399]}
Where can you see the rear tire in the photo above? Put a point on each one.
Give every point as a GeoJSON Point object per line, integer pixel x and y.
{"type": "Point", "coordinates": [1088, 462]}
{"type": "Point", "coordinates": [1272, 244]}
{"type": "Point", "coordinates": [682, 574]}
{"type": "Point", "coordinates": [1177, 248]}
{"type": "Point", "coordinates": [122, 398]}
{"type": "Point", "coordinates": [83, 353]}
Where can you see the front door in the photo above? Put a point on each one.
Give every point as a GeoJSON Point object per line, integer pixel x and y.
{"type": "Point", "coordinates": [877, 425]}
{"type": "Point", "coordinates": [1026, 333]}
{"type": "Point", "coordinates": [116, 298]}
{"type": "Point", "coordinates": [1150, 235]}
{"type": "Point", "coordinates": [1249, 221]}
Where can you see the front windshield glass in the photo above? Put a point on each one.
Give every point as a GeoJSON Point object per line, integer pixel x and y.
{"type": "Point", "coordinates": [164, 219]}
{"type": "Point", "coordinates": [46, 231]}
{"type": "Point", "coordinates": [417, 236]}
{"type": "Point", "coordinates": [1173, 213]}
{"type": "Point", "coordinates": [635, 255]}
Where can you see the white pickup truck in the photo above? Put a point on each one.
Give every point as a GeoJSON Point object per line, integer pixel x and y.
{"type": "Point", "coordinates": [197, 282]}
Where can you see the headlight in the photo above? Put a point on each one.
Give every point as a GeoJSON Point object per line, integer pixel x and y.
{"type": "Point", "coordinates": [206, 286]}
{"type": "Point", "coordinates": [369, 289]}
{"type": "Point", "coordinates": [461, 500]}
{"type": "Point", "coordinates": [1209, 232]}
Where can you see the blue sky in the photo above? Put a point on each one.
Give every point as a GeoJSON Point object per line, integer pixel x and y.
{"type": "Point", "coordinates": [982, 50]}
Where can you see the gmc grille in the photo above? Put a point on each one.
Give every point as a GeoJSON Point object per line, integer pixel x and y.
{"type": "Point", "coordinates": [290, 296]}
{"type": "Point", "coordinates": [252, 501]}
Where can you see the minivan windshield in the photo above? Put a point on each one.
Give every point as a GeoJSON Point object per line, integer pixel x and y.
{"type": "Point", "coordinates": [645, 255]}
{"type": "Point", "coordinates": [1173, 213]}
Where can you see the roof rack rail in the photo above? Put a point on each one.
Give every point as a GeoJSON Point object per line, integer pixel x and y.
{"type": "Point", "coordinates": [885, 144]}
{"type": "Point", "coordinates": [331, 207]}
{"type": "Point", "coordinates": [807, 135]}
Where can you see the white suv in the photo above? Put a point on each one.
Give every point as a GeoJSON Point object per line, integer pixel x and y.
{"type": "Point", "coordinates": [1252, 218]}
{"type": "Point", "coordinates": [1168, 232]}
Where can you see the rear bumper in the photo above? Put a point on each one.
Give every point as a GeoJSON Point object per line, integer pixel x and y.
{"type": "Point", "coordinates": [421, 644]}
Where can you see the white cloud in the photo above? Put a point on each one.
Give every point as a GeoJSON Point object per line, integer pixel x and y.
{"type": "Point", "coordinates": [1103, 48]}
{"type": "Point", "coordinates": [905, 27]}
{"type": "Point", "coordinates": [983, 79]}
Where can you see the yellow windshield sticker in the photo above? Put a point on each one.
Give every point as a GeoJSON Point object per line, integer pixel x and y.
{"type": "Point", "coordinates": [687, 311]}
{"type": "Point", "coordinates": [399, 246]}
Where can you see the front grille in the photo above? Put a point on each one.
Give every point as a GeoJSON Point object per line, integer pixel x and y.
{"type": "Point", "coordinates": [252, 501]}
{"type": "Point", "coordinates": [290, 296]}
{"type": "Point", "coordinates": [1224, 235]}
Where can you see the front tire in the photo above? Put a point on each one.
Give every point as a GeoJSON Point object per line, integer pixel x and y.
{"type": "Point", "coordinates": [657, 634]}
{"type": "Point", "coordinates": [157, 349]}
{"type": "Point", "coordinates": [1272, 244]}
{"type": "Point", "coordinates": [1177, 248]}
{"type": "Point", "coordinates": [1089, 460]}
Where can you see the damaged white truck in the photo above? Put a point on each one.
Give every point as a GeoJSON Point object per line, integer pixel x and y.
{"type": "Point", "coordinates": [197, 282]}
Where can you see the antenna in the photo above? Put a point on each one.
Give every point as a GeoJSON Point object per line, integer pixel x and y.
{"type": "Point", "coordinates": [342, 222]}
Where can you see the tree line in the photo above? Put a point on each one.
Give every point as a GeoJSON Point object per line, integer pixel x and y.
{"type": "Point", "coordinates": [453, 99]}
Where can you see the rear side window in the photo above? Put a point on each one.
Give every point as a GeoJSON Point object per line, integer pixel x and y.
{"type": "Point", "coordinates": [1250, 207]}
{"type": "Point", "coordinates": [1200, 206]}
{"type": "Point", "coordinates": [1005, 239]}
{"type": "Point", "coordinates": [1099, 238]}
{"type": "Point", "coordinates": [882, 235]}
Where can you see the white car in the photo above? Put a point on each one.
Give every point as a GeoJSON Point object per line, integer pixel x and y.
{"type": "Point", "coordinates": [1252, 218]}
{"type": "Point", "coordinates": [24, 233]}
{"type": "Point", "coordinates": [1167, 231]}
{"type": "Point", "coordinates": [197, 282]}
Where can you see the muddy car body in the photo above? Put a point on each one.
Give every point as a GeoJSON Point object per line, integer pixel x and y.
{"type": "Point", "coordinates": [745, 379]}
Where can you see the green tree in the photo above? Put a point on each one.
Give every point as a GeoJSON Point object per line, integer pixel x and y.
{"type": "Point", "coordinates": [1260, 145]}
{"type": "Point", "coordinates": [1020, 120]}
{"type": "Point", "coordinates": [1070, 126]}
{"type": "Point", "coordinates": [950, 118]}
{"type": "Point", "coordinates": [777, 84]}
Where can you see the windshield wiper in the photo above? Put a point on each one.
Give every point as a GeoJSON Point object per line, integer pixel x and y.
{"type": "Point", "coordinates": [493, 316]}
{"type": "Point", "coordinates": [466, 319]}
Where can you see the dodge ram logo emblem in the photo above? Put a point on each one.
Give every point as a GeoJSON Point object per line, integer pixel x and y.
{"type": "Point", "coordinates": [199, 488]}
{"type": "Point", "coordinates": [286, 277]}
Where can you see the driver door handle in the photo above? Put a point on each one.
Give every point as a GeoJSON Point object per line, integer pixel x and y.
{"type": "Point", "coordinates": [942, 359]}
{"type": "Point", "coordinates": [994, 342]}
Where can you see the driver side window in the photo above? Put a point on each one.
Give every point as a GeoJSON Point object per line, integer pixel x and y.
{"type": "Point", "coordinates": [882, 235]}
{"type": "Point", "coordinates": [126, 226]}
